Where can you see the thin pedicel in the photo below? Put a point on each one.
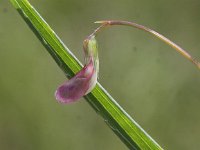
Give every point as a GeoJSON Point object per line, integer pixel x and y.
{"type": "Point", "coordinates": [109, 23]}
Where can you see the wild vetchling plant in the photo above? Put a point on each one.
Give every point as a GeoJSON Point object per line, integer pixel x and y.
{"type": "Point", "coordinates": [83, 82]}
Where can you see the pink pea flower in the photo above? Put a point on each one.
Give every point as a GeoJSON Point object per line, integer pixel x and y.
{"type": "Point", "coordinates": [85, 80]}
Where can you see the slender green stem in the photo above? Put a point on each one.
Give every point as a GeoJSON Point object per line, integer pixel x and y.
{"type": "Point", "coordinates": [107, 23]}
{"type": "Point", "coordinates": [117, 119]}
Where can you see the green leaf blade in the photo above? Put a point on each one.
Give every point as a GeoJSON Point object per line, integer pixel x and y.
{"type": "Point", "coordinates": [118, 120]}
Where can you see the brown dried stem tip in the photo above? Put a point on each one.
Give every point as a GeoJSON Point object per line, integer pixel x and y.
{"type": "Point", "coordinates": [107, 23]}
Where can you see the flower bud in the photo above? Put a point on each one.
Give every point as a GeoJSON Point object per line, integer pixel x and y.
{"type": "Point", "coordinates": [85, 80]}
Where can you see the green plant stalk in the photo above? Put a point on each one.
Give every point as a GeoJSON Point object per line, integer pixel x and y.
{"type": "Point", "coordinates": [117, 119]}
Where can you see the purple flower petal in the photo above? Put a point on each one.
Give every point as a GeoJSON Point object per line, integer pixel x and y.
{"type": "Point", "coordinates": [85, 80]}
{"type": "Point", "coordinates": [77, 86]}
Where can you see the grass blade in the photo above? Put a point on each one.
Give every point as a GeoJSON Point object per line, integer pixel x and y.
{"type": "Point", "coordinates": [119, 121]}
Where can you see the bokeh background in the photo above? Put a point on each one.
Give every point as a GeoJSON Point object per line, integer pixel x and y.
{"type": "Point", "coordinates": [151, 81]}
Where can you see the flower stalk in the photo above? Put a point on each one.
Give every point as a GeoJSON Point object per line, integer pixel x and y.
{"type": "Point", "coordinates": [109, 23]}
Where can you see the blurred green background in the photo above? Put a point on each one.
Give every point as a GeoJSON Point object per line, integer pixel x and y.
{"type": "Point", "coordinates": [158, 87]}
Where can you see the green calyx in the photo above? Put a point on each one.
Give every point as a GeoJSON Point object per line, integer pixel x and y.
{"type": "Point", "coordinates": [91, 52]}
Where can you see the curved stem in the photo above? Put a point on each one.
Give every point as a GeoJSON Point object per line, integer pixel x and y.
{"type": "Point", "coordinates": [107, 23]}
